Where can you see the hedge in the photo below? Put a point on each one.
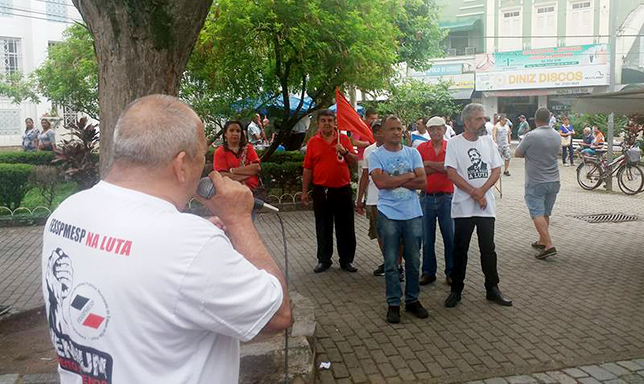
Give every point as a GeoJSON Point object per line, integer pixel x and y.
{"type": "Point", "coordinates": [34, 158]}
{"type": "Point", "coordinates": [282, 178]}
{"type": "Point", "coordinates": [14, 183]}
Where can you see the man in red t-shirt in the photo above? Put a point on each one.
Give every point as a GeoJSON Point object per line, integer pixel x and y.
{"type": "Point", "coordinates": [326, 164]}
{"type": "Point", "coordinates": [436, 201]}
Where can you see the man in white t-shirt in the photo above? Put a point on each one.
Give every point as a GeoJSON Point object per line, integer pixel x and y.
{"type": "Point", "coordinates": [137, 291]}
{"type": "Point", "coordinates": [420, 135]}
{"type": "Point", "coordinates": [255, 130]}
{"type": "Point", "coordinates": [473, 164]}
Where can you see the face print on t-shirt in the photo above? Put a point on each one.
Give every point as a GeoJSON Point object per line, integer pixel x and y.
{"type": "Point", "coordinates": [478, 169]}
{"type": "Point", "coordinates": [395, 166]}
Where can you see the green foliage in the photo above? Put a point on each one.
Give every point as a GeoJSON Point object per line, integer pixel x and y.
{"type": "Point", "coordinates": [45, 179]}
{"type": "Point", "coordinates": [580, 121]}
{"type": "Point", "coordinates": [282, 177]}
{"type": "Point", "coordinates": [14, 183]}
{"type": "Point", "coordinates": [76, 156]}
{"type": "Point", "coordinates": [250, 49]}
{"type": "Point", "coordinates": [69, 75]}
{"type": "Point", "coordinates": [283, 157]}
{"type": "Point", "coordinates": [413, 99]}
{"type": "Point", "coordinates": [18, 88]}
{"type": "Point", "coordinates": [34, 158]}
{"type": "Point", "coordinates": [62, 190]}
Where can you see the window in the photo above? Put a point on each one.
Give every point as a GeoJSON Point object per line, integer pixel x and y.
{"type": "Point", "coordinates": [463, 43]}
{"type": "Point", "coordinates": [56, 10]}
{"type": "Point", "coordinates": [10, 122]}
{"type": "Point", "coordinates": [9, 55]}
{"type": "Point", "coordinates": [544, 24]}
{"type": "Point", "coordinates": [510, 26]}
{"type": "Point", "coordinates": [5, 7]}
{"type": "Point", "coordinates": [580, 23]}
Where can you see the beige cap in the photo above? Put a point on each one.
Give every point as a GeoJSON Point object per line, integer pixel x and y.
{"type": "Point", "coordinates": [435, 121]}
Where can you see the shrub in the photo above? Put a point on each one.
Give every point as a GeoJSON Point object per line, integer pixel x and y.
{"type": "Point", "coordinates": [78, 156]}
{"type": "Point", "coordinates": [34, 158]}
{"type": "Point", "coordinates": [285, 177]}
{"type": "Point", "coordinates": [14, 183]}
{"type": "Point", "coordinates": [45, 178]}
{"type": "Point", "coordinates": [283, 157]}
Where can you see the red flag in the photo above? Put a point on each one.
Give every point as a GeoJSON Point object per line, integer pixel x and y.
{"type": "Point", "coordinates": [349, 120]}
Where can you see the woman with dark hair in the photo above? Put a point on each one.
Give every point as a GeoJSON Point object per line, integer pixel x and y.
{"type": "Point", "coordinates": [30, 138]}
{"type": "Point", "coordinates": [236, 158]}
{"type": "Point", "coordinates": [47, 138]}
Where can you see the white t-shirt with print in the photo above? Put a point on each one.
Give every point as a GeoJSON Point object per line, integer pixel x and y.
{"type": "Point", "coordinates": [372, 190]}
{"type": "Point", "coordinates": [138, 292]}
{"type": "Point", "coordinates": [416, 142]}
{"type": "Point", "coordinates": [474, 162]}
{"type": "Point", "coordinates": [449, 132]}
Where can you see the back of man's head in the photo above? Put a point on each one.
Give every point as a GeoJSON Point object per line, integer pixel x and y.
{"type": "Point", "coordinates": [542, 117]}
{"type": "Point", "coordinates": [153, 129]}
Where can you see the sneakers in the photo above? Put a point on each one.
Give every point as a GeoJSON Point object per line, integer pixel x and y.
{"type": "Point", "coordinates": [545, 253]}
{"type": "Point", "coordinates": [393, 314]}
{"type": "Point", "coordinates": [507, 173]}
{"type": "Point", "coordinates": [565, 164]}
{"type": "Point", "coordinates": [380, 271]}
{"type": "Point", "coordinates": [538, 246]}
{"type": "Point", "coordinates": [417, 309]}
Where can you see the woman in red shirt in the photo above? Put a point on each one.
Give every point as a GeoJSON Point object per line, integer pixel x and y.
{"type": "Point", "coordinates": [236, 158]}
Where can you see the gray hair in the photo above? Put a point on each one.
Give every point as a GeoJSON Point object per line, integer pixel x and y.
{"type": "Point", "coordinates": [469, 110]}
{"type": "Point", "coordinates": [153, 129]}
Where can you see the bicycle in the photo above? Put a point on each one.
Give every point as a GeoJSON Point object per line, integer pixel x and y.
{"type": "Point", "coordinates": [592, 171]}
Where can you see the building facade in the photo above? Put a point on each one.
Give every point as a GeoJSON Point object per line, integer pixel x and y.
{"type": "Point", "coordinates": [515, 56]}
{"type": "Point", "coordinates": [27, 29]}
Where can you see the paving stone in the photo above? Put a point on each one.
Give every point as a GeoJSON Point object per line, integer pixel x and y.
{"type": "Point", "coordinates": [576, 373]}
{"type": "Point", "coordinates": [495, 380]}
{"type": "Point", "coordinates": [9, 379]}
{"type": "Point", "coordinates": [630, 365]}
{"type": "Point", "coordinates": [589, 380]}
{"type": "Point", "coordinates": [598, 372]}
{"type": "Point", "coordinates": [40, 379]}
{"type": "Point", "coordinates": [616, 369]}
{"type": "Point", "coordinates": [521, 379]}
{"type": "Point", "coordinates": [615, 381]}
{"type": "Point", "coordinates": [633, 379]}
{"type": "Point", "coordinates": [545, 379]}
{"type": "Point", "coordinates": [561, 377]}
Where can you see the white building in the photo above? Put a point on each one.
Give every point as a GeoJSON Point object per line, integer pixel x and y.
{"type": "Point", "coordinates": [27, 28]}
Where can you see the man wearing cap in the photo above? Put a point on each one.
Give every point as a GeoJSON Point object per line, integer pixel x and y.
{"type": "Point", "coordinates": [436, 202]}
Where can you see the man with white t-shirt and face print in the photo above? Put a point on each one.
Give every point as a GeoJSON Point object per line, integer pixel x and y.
{"type": "Point", "coordinates": [137, 291]}
{"type": "Point", "coordinates": [473, 164]}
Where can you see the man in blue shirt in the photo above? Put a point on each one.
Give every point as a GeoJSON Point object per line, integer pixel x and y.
{"type": "Point", "coordinates": [398, 172]}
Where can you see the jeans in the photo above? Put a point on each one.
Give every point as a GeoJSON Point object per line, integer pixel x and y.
{"type": "Point", "coordinates": [437, 207]}
{"type": "Point", "coordinates": [411, 233]}
{"type": "Point", "coordinates": [570, 152]}
{"type": "Point", "coordinates": [334, 205]}
{"type": "Point", "coordinates": [463, 229]}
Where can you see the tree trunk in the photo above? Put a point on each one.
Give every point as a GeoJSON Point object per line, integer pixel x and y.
{"type": "Point", "coordinates": [142, 47]}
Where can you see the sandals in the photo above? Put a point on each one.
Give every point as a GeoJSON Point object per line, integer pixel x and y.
{"type": "Point", "coordinates": [544, 254]}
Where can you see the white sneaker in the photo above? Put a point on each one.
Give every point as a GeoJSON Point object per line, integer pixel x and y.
{"type": "Point", "coordinates": [565, 164]}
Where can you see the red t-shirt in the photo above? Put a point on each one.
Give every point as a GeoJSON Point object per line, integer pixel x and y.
{"type": "Point", "coordinates": [223, 160]}
{"type": "Point", "coordinates": [437, 181]}
{"type": "Point", "coordinates": [322, 159]}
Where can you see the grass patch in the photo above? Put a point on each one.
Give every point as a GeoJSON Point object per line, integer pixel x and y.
{"type": "Point", "coordinates": [34, 198]}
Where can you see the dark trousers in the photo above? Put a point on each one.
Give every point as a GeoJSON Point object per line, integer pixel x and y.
{"type": "Point", "coordinates": [463, 229]}
{"type": "Point", "coordinates": [329, 205]}
{"type": "Point", "coordinates": [567, 150]}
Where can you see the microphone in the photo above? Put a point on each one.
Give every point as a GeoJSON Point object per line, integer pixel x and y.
{"type": "Point", "coordinates": [206, 189]}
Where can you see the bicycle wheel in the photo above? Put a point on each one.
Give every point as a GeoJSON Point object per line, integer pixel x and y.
{"type": "Point", "coordinates": [589, 175]}
{"type": "Point", "coordinates": [630, 179]}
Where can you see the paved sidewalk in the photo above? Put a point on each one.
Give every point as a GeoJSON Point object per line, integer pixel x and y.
{"type": "Point", "coordinates": [581, 307]}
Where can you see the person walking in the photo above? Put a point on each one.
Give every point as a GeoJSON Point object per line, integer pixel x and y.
{"type": "Point", "coordinates": [326, 164]}
{"type": "Point", "coordinates": [567, 131]}
{"type": "Point", "coordinates": [502, 136]}
{"type": "Point", "coordinates": [398, 171]}
{"type": "Point", "coordinates": [436, 201]}
{"type": "Point", "coordinates": [473, 164]}
{"type": "Point", "coordinates": [540, 148]}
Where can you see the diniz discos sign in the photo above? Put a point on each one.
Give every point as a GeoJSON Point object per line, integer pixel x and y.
{"type": "Point", "coordinates": [578, 66]}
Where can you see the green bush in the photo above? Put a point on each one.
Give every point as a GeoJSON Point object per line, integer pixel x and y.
{"type": "Point", "coordinates": [34, 158]}
{"type": "Point", "coordinates": [284, 157]}
{"type": "Point", "coordinates": [282, 178]}
{"type": "Point", "coordinates": [14, 183]}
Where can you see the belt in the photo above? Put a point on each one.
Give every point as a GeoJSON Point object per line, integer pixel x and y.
{"type": "Point", "coordinates": [435, 194]}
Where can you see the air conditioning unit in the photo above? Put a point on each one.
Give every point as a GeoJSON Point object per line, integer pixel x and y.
{"type": "Point", "coordinates": [451, 52]}
{"type": "Point", "coordinates": [470, 50]}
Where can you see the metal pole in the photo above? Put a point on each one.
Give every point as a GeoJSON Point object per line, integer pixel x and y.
{"type": "Point", "coordinates": [612, 26]}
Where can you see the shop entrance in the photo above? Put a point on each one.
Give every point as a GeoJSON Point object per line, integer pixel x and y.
{"type": "Point", "coordinates": [513, 107]}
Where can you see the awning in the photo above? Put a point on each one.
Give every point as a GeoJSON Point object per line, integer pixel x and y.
{"type": "Point", "coordinates": [461, 25]}
{"type": "Point", "coordinates": [461, 94]}
{"type": "Point", "coordinates": [621, 103]}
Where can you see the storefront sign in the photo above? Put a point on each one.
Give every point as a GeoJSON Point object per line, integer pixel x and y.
{"type": "Point", "coordinates": [441, 70]}
{"type": "Point", "coordinates": [578, 76]}
{"type": "Point", "coordinates": [580, 55]}
{"type": "Point", "coordinates": [540, 92]}
{"type": "Point", "coordinates": [463, 81]}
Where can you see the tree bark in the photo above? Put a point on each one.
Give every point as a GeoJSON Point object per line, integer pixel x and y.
{"type": "Point", "coordinates": [142, 47]}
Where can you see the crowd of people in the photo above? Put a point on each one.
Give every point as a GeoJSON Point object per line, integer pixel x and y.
{"type": "Point", "coordinates": [35, 139]}
{"type": "Point", "coordinates": [405, 190]}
